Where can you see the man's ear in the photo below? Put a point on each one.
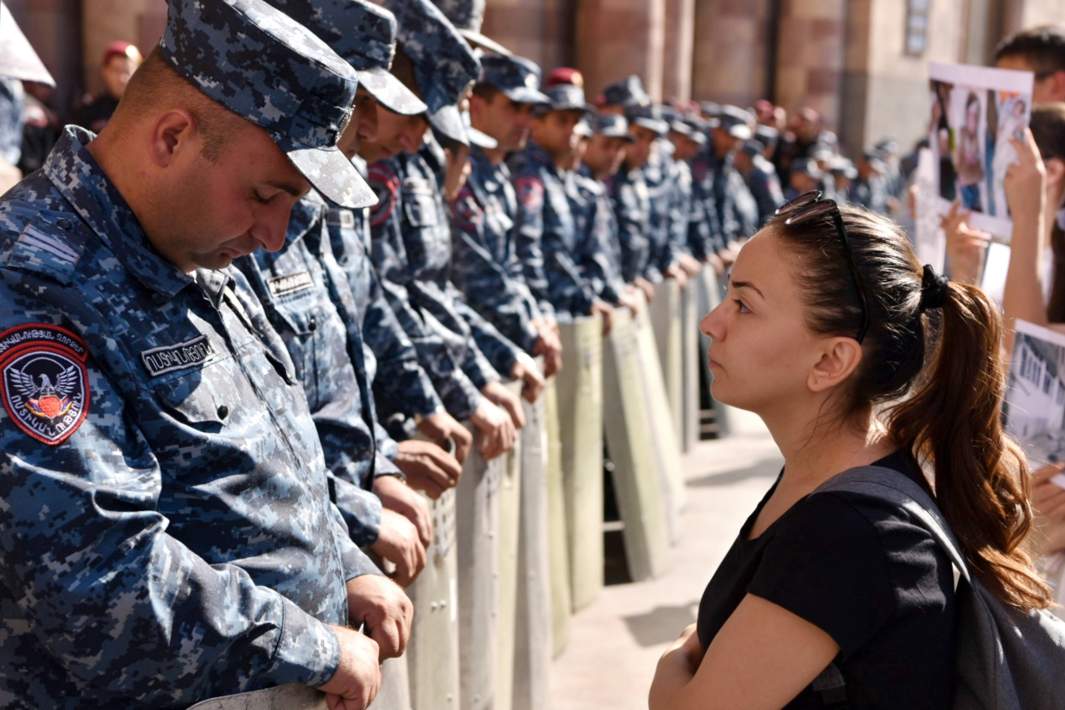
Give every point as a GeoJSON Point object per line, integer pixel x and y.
{"type": "Point", "coordinates": [1055, 168]}
{"type": "Point", "coordinates": [173, 133]}
{"type": "Point", "coordinates": [839, 359]}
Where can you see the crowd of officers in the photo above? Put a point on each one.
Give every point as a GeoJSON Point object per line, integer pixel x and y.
{"type": "Point", "coordinates": [210, 449]}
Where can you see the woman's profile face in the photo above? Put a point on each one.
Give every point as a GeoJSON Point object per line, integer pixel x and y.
{"type": "Point", "coordinates": [761, 350]}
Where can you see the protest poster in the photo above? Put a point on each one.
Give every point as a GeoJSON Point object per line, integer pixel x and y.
{"type": "Point", "coordinates": [1034, 406]}
{"type": "Point", "coordinates": [975, 112]}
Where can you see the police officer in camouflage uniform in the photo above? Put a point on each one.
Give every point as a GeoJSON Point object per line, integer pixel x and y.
{"type": "Point", "coordinates": [690, 222]}
{"type": "Point", "coordinates": [486, 265]}
{"type": "Point", "coordinates": [545, 218]}
{"type": "Point", "coordinates": [412, 241]}
{"type": "Point", "coordinates": [761, 178]}
{"type": "Point", "coordinates": [169, 533]}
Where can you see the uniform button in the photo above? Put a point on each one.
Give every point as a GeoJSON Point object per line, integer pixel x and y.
{"type": "Point", "coordinates": [223, 411]}
{"type": "Point", "coordinates": [64, 224]}
{"type": "Point", "coordinates": [344, 260]}
{"type": "Point", "coordinates": [313, 325]}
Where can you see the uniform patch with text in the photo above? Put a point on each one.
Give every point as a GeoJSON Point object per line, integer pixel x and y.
{"type": "Point", "coordinates": [44, 383]}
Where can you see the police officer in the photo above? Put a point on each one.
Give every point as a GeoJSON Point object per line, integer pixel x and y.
{"type": "Point", "coordinates": [544, 214]}
{"type": "Point", "coordinates": [601, 250]}
{"type": "Point", "coordinates": [629, 193]}
{"type": "Point", "coordinates": [761, 178]}
{"type": "Point", "coordinates": [173, 536]}
{"type": "Point", "coordinates": [412, 243]}
{"type": "Point", "coordinates": [736, 208]}
{"type": "Point", "coordinates": [486, 264]}
{"type": "Point", "coordinates": [686, 137]}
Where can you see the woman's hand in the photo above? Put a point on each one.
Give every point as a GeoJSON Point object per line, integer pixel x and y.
{"type": "Point", "coordinates": [1048, 500]}
{"type": "Point", "coordinates": [966, 247]}
{"type": "Point", "coordinates": [1026, 180]}
{"type": "Point", "coordinates": [675, 669]}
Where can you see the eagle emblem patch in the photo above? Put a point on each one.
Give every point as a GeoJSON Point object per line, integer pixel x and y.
{"type": "Point", "coordinates": [44, 383]}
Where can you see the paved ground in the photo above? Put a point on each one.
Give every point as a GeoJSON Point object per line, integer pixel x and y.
{"type": "Point", "coordinates": [615, 643]}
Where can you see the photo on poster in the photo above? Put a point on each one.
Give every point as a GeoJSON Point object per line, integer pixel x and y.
{"type": "Point", "coordinates": [1034, 406]}
{"type": "Point", "coordinates": [975, 112]}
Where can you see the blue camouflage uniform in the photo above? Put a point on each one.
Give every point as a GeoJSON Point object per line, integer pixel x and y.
{"type": "Point", "coordinates": [598, 252]}
{"type": "Point", "coordinates": [658, 173]}
{"type": "Point", "coordinates": [168, 533]}
{"type": "Point", "coordinates": [764, 186]}
{"type": "Point", "coordinates": [632, 211]}
{"type": "Point", "coordinates": [294, 287]}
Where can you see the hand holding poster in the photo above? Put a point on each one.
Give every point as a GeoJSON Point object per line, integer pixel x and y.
{"type": "Point", "coordinates": [975, 112]}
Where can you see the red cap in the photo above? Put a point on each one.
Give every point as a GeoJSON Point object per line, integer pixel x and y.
{"type": "Point", "coordinates": [118, 48]}
{"type": "Point", "coordinates": [564, 75]}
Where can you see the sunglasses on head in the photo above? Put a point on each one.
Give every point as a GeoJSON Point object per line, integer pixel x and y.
{"type": "Point", "coordinates": [811, 206]}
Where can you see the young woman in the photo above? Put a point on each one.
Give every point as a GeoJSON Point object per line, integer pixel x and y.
{"type": "Point", "coordinates": [969, 159]}
{"type": "Point", "coordinates": [853, 354]}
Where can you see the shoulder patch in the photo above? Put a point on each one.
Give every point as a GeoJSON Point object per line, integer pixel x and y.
{"type": "Point", "coordinates": [46, 250]}
{"type": "Point", "coordinates": [530, 190]}
{"type": "Point", "coordinates": [465, 210]}
{"type": "Point", "coordinates": [385, 182]}
{"type": "Point", "coordinates": [44, 382]}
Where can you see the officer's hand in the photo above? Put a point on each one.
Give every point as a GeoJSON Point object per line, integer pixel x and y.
{"type": "Point", "coordinates": [496, 429]}
{"type": "Point", "coordinates": [358, 677]}
{"type": "Point", "coordinates": [632, 299]}
{"type": "Point", "coordinates": [399, 497]}
{"type": "Point", "coordinates": [384, 609]}
{"type": "Point", "coordinates": [647, 287]}
{"type": "Point", "coordinates": [966, 247]}
{"type": "Point", "coordinates": [550, 347]}
{"type": "Point", "coordinates": [441, 426]}
{"type": "Point", "coordinates": [526, 370]}
{"type": "Point", "coordinates": [690, 264]}
{"type": "Point", "coordinates": [603, 310]}
{"type": "Point", "coordinates": [398, 543]}
{"type": "Point", "coordinates": [428, 468]}
{"type": "Point", "coordinates": [678, 274]}
{"type": "Point", "coordinates": [500, 395]}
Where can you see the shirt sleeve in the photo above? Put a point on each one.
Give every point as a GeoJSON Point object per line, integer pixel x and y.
{"type": "Point", "coordinates": [826, 563]}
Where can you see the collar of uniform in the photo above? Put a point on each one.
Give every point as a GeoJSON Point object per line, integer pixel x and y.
{"type": "Point", "coordinates": [84, 185]}
{"type": "Point", "coordinates": [306, 213]}
{"type": "Point", "coordinates": [540, 157]}
{"type": "Point", "coordinates": [213, 283]}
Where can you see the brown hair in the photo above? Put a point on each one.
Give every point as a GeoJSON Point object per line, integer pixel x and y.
{"type": "Point", "coordinates": [157, 85]}
{"type": "Point", "coordinates": [1043, 47]}
{"type": "Point", "coordinates": [940, 377]}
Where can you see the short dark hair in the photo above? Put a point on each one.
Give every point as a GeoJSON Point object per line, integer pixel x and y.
{"type": "Point", "coordinates": [155, 82]}
{"type": "Point", "coordinates": [484, 90]}
{"type": "Point", "coordinates": [1043, 47]}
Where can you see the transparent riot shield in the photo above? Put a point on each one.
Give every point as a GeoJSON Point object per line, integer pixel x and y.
{"type": "Point", "coordinates": [561, 604]}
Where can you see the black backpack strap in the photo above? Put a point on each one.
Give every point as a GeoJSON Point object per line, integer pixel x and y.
{"type": "Point", "coordinates": [831, 688]}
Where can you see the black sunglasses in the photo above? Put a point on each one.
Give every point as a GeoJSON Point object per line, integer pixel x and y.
{"type": "Point", "coordinates": [810, 206]}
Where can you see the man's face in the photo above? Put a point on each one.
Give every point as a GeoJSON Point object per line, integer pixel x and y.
{"type": "Point", "coordinates": [553, 131]}
{"type": "Point", "coordinates": [684, 147]}
{"type": "Point", "coordinates": [724, 142]}
{"type": "Point", "coordinates": [228, 208]}
{"type": "Point", "coordinates": [116, 74]}
{"type": "Point", "coordinates": [396, 133]}
{"type": "Point", "coordinates": [639, 151]}
{"type": "Point", "coordinates": [363, 126]}
{"type": "Point", "coordinates": [503, 119]}
{"type": "Point", "coordinates": [808, 125]}
{"type": "Point", "coordinates": [1047, 87]}
{"type": "Point", "coordinates": [604, 155]}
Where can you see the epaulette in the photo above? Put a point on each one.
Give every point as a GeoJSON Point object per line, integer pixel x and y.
{"type": "Point", "coordinates": [49, 245]}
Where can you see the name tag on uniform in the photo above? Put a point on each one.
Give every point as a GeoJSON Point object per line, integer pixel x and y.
{"type": "Point", "coordinates": [159, 361]}
{"type": "Point", "coordinates": [290, 283]}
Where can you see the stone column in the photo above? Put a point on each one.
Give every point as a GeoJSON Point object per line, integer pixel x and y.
{"type": "Point", "coordinates": [730, 63]}
{"type": "Point", "coordinates": [615, 38]}
{"type": "Point", "coordinates": [541, 30]}
{"type": "Point", "coordinates": [679, 46]}
{"type": "Point", "coordinates": [810, 57]}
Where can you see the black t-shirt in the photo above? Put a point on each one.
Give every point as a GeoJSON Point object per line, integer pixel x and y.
{"type": "Point", "coordinates": [866, 574]}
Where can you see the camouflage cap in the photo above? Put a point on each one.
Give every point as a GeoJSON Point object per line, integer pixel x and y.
{"type": "Point", "coordinates": [362, 34]}
{"type": "Point", "coordinates": [649, 116]}
{"type": "Point", "coordinates": [565, 97]}
{"type": "Point", "coordinates": [444, 64]}
{"type": "Point", "coordinates": [467, 16]}
{"type": "Point", "coordinates": [517, 77]}
{"type": "Point", "coordinates": [17, 58]}
{"type": "Point", "coordinates": [610, 125]}
{"type": "Point", "coordinates": [264, 66]}
{"type": "Point", "coordinates": [626, 93]}
{"type": "Point", "coordinates": [735, 121]}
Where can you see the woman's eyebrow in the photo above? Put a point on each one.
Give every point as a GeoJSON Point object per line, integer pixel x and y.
{"type": "Point", "coordinates": [748, 284]}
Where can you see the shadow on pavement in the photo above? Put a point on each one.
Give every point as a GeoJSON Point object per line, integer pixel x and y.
{"type": "Point", "coordinates": [768, 467]}
{"type": "Point", "coordinates": [661, 624]}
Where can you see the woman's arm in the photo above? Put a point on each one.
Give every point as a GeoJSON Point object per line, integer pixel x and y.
{"type": "Point", "coordinates": [761, 658]}
{"type": "Point", "coordinates": [1026, 195]}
